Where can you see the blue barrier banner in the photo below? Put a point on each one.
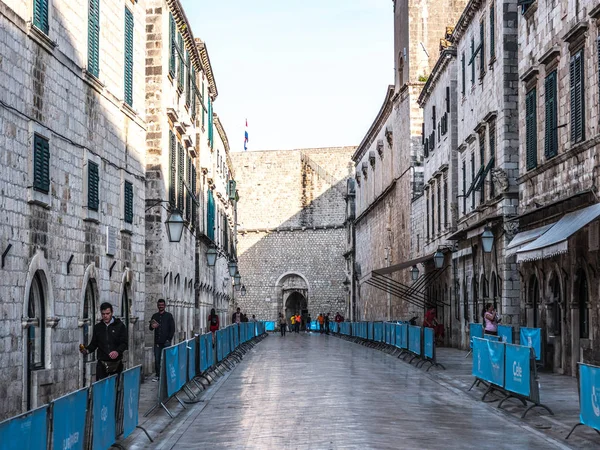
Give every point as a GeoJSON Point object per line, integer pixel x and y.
{"type": "Point", "coordinates": [393, 334]}
{"type": "Point", "coordinates": [203, 354]}
{"type": "Point", "coordinates": [27, 431]}
{"type": "Point", "coordinates": [516, 377]}
{"type": "Point", "coordinates": [475, 330]}
{"type": "Point", "coordinates": [404, 336]}
{"type": "Point", "coordinates": [378, 326]}
{"type": "Point", "coordinates": [131, 399]}
{"type": "Point", "coordinates": [491, 337]}
{"type": "Point", "coordinates": [270, 325]}
{"type": "Point", "coordinates": [103, 413]}
{"type": "Point", "coordinates": [219, 339]}
{"type": "Point", "coordinates": [68, 420]}
{"type": "Point", "coordinates": [209, 353]}
{"type": "Point", "coordinates": [370, 335]}
{"type": "Point", "coordinates": [589, 395]}
{"type": "Point", "coordinates": [182, 364]}
{"type": "Point", "coordinates": [414, 339]}
{"type": "Point", "coordinates": [488, 361]}
{"type": "Point", "coordinates": [428, 341]}
{"type": "Point", "coordinates": [191, 351]}
{"type": "Point", "coordinates": [506, 334]}
{"type": "Point", "coordinates": [171, 361]}
{"type": "Point", "coordinates": [532, 337]}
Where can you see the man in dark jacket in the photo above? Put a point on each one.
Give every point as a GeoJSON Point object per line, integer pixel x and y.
{"type": "Point", "coordinates": [163, 325]}
{"type": "Point", "coordinates": [110, 339]}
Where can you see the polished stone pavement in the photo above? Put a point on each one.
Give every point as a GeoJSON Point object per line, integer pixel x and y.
{"type": "Point", "coordinates": [311, 391]}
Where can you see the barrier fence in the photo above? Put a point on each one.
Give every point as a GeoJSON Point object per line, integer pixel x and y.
{"type": "Point", "coordinates": [90, 418]}
{"type": "Point", "coordinates": [509, 369]}
{"type": "Point", "coordinates": [589, 397]}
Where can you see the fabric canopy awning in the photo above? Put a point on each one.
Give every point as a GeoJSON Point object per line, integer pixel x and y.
{"type": "Point", "coordinates": [554, 241]}
{"type": "Point", "coordinates": [524, 238]}
{"type": "Point", "coordinates": [404, 265]}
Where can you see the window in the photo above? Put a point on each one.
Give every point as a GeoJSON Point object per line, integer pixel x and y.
{"type": "Point", "coordinates": [41, 164]}
{"type": "Point", "coordinates": [445, 201]}
{"type": "Point", "coordinates": [94, 38]}
{"type": "Point", "coordinates": [128, 57]}
{"type": "Point", "coordinates": [210, 124]}
{"type": "Point", "coordinates": [492, 137]}
{"type": "Point", "coordinates": [188, 195]}
{"type": "Point", "coordinates": [180, 175]}
{"type": "Point", "coordinates": [210, 216]}
{"type": "Point", "coordinates": [492, 32]}
{"type": "Point", "coordinates": [463, 73]}
{"type": "Point", "coordinates": [433, 118]}
{"type": "Point", "coordinates": [128, 191]}
{"type": "Point", "coordinates": [188, 99]}
{"type": "Point", "coordinates": [172, 170]}
{"type": "Point", "coordinates": [464, 185]}
{"type": "Point", "coordinates": [482, 162]}
{"type": "Point", "coordinates": [36, 327]}
{"type": "Point", "coordinates": [531, 129]}
{"type": "Point", "coordinates": [427, 215]}
{"type": "Point", "coordinates": [577, 97]}
{"type": "Point", "coordinates": [439, 206]}
{"type": "Point", "coordinates": [194, 89]}
{"type": "Point", "coordinates": [194, 205]}
{"type": "Point", "coordinates": [89, 308]}
{"type": "Point", "coordinates": [472, 62]}
{"type": "Point", "coordinates": [432, 213]}
{"type": "Point", "coordinates": [551, 123]}
{"type": "Point", "coordinates": [40, 15]}
{"type": "Point", "coordinates": [93, 182]}
{"type": "Point", "coordinates": [171, 46]}
{"type": "Point", "coordinates": [472, 180]}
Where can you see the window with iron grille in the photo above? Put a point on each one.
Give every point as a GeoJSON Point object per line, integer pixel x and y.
{"type": "Point", "coordinates": [531, 129]}
{"type": "Point", "coordinates": [128, 191]}
{"type": "Point", "coordinates": [41, 164]}
{"type": "Point", "coordinates": [576, 82]}
{"type": "Point", "coordinates": [93, 65]}
{"type": "Point", "coordinates": [93, 186]}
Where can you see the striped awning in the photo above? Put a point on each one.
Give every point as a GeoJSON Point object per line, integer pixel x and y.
{"type": "Point", "coordinates": [555, 240]}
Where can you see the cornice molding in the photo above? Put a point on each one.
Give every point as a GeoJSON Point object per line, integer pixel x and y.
{"type": "Point", "coordinates": [378, 123]}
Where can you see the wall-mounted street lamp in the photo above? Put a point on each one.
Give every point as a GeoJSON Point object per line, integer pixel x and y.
{"type": "Point", "coordinates": [211, 256]}
{"type": "Point", "coordinates": [174, 222]}
{"type": "Point", "coordinates": [438, 259]}
{"type": "Point", "coordinates": [232, 268]}
{"type": "Point", "coordinates": [243, 291]}
{"type": "Point", "coordinates": [414, 273]}
{"type": "Point", "coordinates": [237, 281]}
{"type": "Point", "coordinates": [487, 240]}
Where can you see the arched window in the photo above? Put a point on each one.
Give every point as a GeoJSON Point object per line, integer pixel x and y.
{"type": "Point", "coordinates": [534, 295]}
{"type": "Point", "coordinates": [582, 298]}
{"type": "Point", "coordinates": [35, 311]}
{"type": "Point", "coordinates": [89, 310]}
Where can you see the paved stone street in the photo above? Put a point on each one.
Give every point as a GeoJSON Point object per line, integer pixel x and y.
{"type": "Point", "coordinates": [321, 392]}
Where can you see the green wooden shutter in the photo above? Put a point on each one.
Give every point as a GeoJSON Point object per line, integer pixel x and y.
{"type": "Point", "coordinates": [40, 15]}
{"type": "Point", "coordinates": [472, 61]}
{"type": "Point", "coordinates": [492, 131]}
{"type": "Point", "coordinates": [180, 57]}
{"type": "Point", "coordinates": [463, 74]}
{"type": "Point", "coordinates": [427, 215]}
{"type": "Point", "coordinates": [577, 97]}
{"type": "Point", "coordinates": [531, 129]}
{"type": "Point", "coordinates": [188, 92]}
{"type": "Point", "coordinates": [210, 216]}
{"type": "Point", "coordinates": [481, 49]}
{"type": "Point", "coordinates": [472, 180]}
{"type": "Point", "coordinates": [171, 46]}
{"type": "Point", "coordinates": [551, 122]}
{"type": "Point", "coordinates": [128, 202]}
{"type": "Point", "coordinates": [128, 76]}
{"type": "Point", "coordinates": [172, 171]}
{"type": "Point", "coordinates": [194, 90]}
{"type": "Point", "coordinates": [464, 185]}
{"type": "Point", "coordinates": [188, 195]}
{"type": "Point", "coordinates": [94, 38]}
{"type": "Point", "coordinates": [180, 175]}
{"type": "Point", "coordinates": [194, 204]}
{"type": "Point", "coordinates": [41, 164]}
{"type": "Point", "coordinates": [492, 32]}
{"type": "Point", "coordinates": [93, 186]}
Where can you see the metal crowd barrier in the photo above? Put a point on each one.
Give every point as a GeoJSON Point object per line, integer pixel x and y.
{"type": "Point", "coordinates": [93, 417]}
{"type": "Point", "coordinates": [508, 369]}
{"type": "Point", "coordinates": [589, 397]}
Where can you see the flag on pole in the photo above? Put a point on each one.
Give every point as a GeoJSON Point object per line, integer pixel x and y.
{"type": "Point", "coordinates": [246, 137]}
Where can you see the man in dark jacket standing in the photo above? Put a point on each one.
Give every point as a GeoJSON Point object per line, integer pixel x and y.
{"type": "Point", "coordinates": [163, 325]}
{"type": "Point", "coordinates": [110, 339]}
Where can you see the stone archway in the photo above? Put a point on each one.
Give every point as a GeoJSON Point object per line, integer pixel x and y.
{"type": "Point", "coordinates": [296, 302]}
{"type": "Point", "coordinates": [293, 295]}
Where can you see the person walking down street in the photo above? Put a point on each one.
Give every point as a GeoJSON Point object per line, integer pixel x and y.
{"type": "Point", "coordinates": [253, 318]}
{"type": "Point", "coordinates": [491, 320]}
{"type": "Point", "coordinates": [293, 323]}
{"type": "Point", "coordinates": [321, 320]}
{"type": "Point", "coordinates": [282, 324]}
{"type": "Point", "coordinates": [338, 319]}
{"type": "Point", "coordinates": [298, 320]}
{"type": "Point", "coordinates": [308, 320]}
{"type": "Point", "coordinates": [213, 323]}
{"type": "Point", "coordinates": [236, 317]}
{"type": "Point", "coordinates": [163, 325]}
{"type": "Point", "coordinates": [110, 339]}
{"type": "Point", "coordinates": [327, 323]}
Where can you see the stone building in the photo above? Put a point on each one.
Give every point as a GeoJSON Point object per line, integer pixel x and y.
{"type": "Point", "coordinates": [485, 39]}
{"type": "Point", "coordinates": [72, 189]}
{"type": "Point", "coordinates": [186, 172]}
{"type": "Point", "coordinates": [557, 245]}
{"type": "Point", "coordinates": [434, 213]}
{"type": "Point", "coordinates": [383, 218]}
{"type": "Point", "coordinates": [291, 234]}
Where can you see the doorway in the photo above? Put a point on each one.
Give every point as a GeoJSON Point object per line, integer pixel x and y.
{"type": "Point", "coordinates": [296, 303]}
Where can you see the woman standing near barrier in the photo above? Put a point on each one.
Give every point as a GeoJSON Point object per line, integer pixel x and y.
{"type": "Point", "coordinates": [491, 319]}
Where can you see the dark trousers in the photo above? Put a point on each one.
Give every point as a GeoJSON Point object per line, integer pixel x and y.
{"type": "Point", "coordinates": [327, 327]}
{"type": "Point", "coordinates": [158, 348]}
{"type": "Point", "coordinates": [282, 328]}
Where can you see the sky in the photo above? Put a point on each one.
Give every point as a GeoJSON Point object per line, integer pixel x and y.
{"type": "Point", "coordinates": [305, 74]}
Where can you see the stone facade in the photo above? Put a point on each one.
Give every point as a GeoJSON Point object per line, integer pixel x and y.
{"type": "Point", "coordinates": [64, 257]}
{"type": "Point", "coordinates": [291, 230]}
{"type": "Point", "coordinates": [559, 175]}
